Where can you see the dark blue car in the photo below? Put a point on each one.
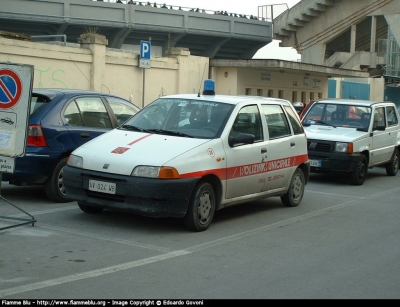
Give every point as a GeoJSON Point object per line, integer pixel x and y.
{"type": "Point", "coordinates": [60, 121]}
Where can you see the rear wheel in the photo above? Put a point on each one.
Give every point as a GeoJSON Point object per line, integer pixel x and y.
{"type": "Point", "coordinates": [393, 166]}
{"type": "Point", "coordinates": [201, 207]}
{"type": "Point", "coordinates": [358, 175]}
{"type": "Point", "coordinates": [89, 209]}
{"type": "Point", "coordinates": [54, 185]}
{"type": "Point", "coordinates": [295, 193]}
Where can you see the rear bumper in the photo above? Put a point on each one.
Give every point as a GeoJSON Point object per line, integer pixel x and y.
{"type": "Point", "coordinates": [32, 169]}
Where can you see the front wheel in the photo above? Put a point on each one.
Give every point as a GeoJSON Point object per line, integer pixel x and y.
{"type": "Point", "coordinates": [54, 185]}
{"type": "Point", "coordinates": [295, 192]}
{"type": "Point", "coordinates": [358, 175]}
{"type": "Point", "coordinates": [201, 207]}
{"type": "Point", "coordinates": [393, 166]}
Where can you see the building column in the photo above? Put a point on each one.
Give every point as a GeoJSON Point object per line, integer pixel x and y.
{"type": "Point", "coordinates": [182, 54]}
{"type": "Point", "coordinates": [97, 44]}
{"type": "Point", "coordinates": [353, 34]}
{"type": "Point", "coordinates": [373, 34]}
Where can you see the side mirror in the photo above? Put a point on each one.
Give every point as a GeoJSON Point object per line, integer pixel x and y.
{"type": "Point", "coordinates": [241, 138]}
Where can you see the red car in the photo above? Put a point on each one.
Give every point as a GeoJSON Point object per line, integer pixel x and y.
{"type": "Point", "coordinates": [306, 108]}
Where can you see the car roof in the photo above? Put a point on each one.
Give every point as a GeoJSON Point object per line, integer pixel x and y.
{"type": "Point", "coordinates": [53, 91]}
{"type": "Point", "coordinates": [229, 99]}
{"type": "Point", "coordinates": [354, 102]}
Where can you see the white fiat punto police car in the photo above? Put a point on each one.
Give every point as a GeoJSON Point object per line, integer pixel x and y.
{"type": "Point", "coordinates": [187, 156]}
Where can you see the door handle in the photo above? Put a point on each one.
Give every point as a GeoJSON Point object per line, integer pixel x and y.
{"type": "Point", "coordinates": [263, 150]}
{"type": "Point", "coordinates": [292, 144]}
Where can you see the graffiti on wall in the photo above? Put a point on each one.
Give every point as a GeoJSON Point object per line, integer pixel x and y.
{"type": "Point", "coordinates": [54, 75]}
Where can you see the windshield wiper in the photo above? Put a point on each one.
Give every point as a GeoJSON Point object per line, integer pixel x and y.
{"type": "Point", "coordinates": [324, 123]}
{"type": "Point", "coordinates": [134, 128]}
{"type": "Point", "coordinates": [169, 132]}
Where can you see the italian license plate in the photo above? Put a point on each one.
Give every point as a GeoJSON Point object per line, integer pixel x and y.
{"type": "Point", "coordinates": [103, 187]}
{"type": "Point", "coordinates": [315, 163]}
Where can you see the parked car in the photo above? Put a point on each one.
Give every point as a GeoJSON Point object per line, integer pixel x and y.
{"type": "Point", "coordinates": [61, 120]}
{"type": "Point", "coordinates": [299, 106]}
{"type": "Point", "coordinates": [187, 155]}
{"type": "Point", "coordinates": [348, 135]}
{"type": "Point", "coordinates": [306, 107]}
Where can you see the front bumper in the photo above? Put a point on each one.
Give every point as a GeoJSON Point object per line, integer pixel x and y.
{"type": "Point", "coordinates": [330, 161]}
{"type": "Point", "coordinates": [142, 196]}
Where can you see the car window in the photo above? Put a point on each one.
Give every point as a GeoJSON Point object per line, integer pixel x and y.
{"type": "Point", "coordinates": [121, 109]}
{"type": "Point", "coordinates": [277, 122]}
{"type": "Point", "coordinates": [38, 102]}
{"type": "Point", "coordinates": [72, 114]}
{"type": "Point", "coordinates": [297, 129]}
{"type": "Point", "coordinates": [94, 113]}
{"type": "Point", "coordinates": [339, 115]}
{"type": "Point", "coordinates": [391, 116]}
{"type": "Point", "coordinates": [189, 117]}
{"type": "Point", "coordinates": [379, 117]}
{"type": "Point", "coordinates": [248, 121]}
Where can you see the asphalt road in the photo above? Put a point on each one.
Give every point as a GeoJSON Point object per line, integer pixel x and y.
{"type": "Point", "coordinates": [341, 242]}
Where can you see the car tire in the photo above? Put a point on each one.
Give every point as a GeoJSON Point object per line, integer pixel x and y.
{"type": "Point", "coordinates": [358, 175]}
{"type": "Point", "coordinates": [90, 209]}
{"type": "Point", "coordinates": [201, 207]}
{"type": "Point", "coordinates": [295, 192]}
{"type": "Point", "coordinates": [393, 166]}
{"type": "Point", "coordinates": [54, 186]}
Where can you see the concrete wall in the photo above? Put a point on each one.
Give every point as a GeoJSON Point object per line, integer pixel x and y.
{"type": "Point", "coordinates": [269, 83]}
{"type": "Point", "coordinates": [92, 66]}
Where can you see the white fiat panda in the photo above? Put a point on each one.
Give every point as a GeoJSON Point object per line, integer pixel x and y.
{"type": "Point", "coordinates": [187, 156]}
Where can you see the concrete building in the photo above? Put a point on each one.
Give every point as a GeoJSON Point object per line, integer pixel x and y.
{"type": "Point", "coordinates": [188, 47]}
{"type": "Point", "coordinates": [360, 35]}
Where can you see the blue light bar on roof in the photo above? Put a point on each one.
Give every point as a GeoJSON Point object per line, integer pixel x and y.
{"type": "Point", "coordinates": [209, 87]}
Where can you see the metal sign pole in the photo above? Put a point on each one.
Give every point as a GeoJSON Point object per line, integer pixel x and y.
{"type": "Point", "coordinates": [23, 221]}
{"type": "Point", "coordinates": [145, 61]}
{"type": "Point", "coordinates": [143, 84]}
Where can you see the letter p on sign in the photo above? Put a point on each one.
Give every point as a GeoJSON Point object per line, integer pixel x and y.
{"type": "Point", "coordinates": [145, 50]}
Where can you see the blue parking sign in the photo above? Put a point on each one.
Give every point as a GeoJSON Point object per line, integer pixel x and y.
{"type": "Point", "coordinates": [145, 50]}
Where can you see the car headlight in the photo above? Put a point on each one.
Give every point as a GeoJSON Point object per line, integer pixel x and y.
{"type": "Point", "coordinates": [163, 172]}
{"type": "Point", "coordinates": [344, 147]}
{"type": "Point", "coordinates": [75, 161]}
{"type": "Point", "coordinates": [146, 171]}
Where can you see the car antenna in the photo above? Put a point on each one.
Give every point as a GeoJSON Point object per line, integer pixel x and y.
{"type": "Point", "coordinates": [198, 95]}
{"type": "Point", "coordinates": [83, 74]}
{"type": "Point", "coordinates": [105, 87]}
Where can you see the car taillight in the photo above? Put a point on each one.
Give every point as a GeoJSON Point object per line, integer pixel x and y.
{"type": "Point", "coordinates": [36, 136]}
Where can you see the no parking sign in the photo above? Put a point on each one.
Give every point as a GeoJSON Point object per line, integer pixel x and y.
{"type": "Point", "coordinates": [10, 88]}
{"type": "Point", "coordinates": [15, 101]}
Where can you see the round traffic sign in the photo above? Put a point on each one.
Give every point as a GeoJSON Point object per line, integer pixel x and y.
{"type": "Point", "coordinates": [10, 88]}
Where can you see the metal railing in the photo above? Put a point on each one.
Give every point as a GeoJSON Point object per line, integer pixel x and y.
{"type": "Point", "coordinates": [63, 36]}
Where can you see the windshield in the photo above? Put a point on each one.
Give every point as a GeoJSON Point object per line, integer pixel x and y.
{"type": "Point", "coordinates": [181, 117]}
{"type": "Point", "coordinates": [338, 115]}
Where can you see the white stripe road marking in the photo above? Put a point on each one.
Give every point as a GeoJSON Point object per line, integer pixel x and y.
{"type": "Point", "coordinates": [114, 240]}
{"type": "Point", "coordinates": [89, 274]}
